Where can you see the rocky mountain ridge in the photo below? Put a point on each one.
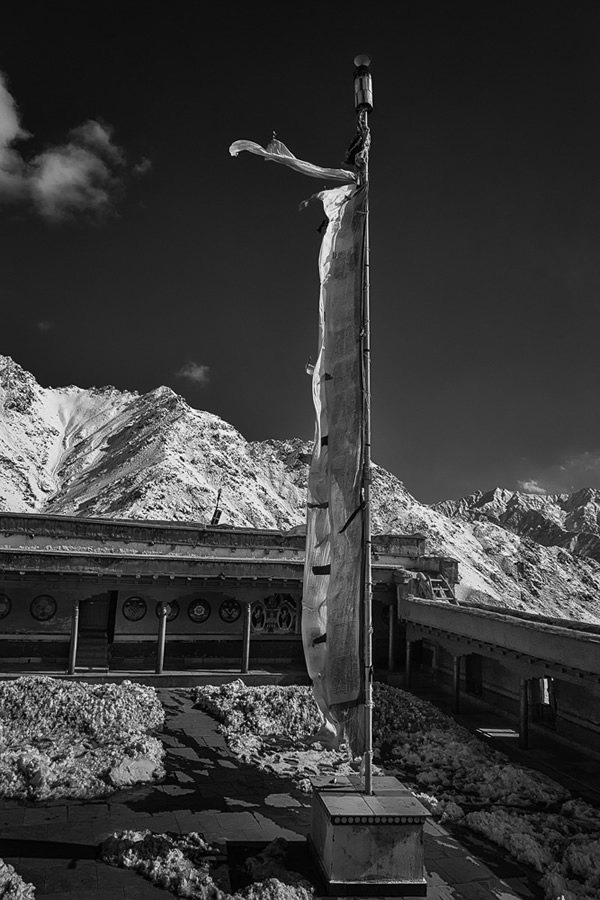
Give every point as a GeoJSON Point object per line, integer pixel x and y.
{"type": "Point", "coordinates": [571, 521]}
{"type": "Point", "coordinates": [118, 454]}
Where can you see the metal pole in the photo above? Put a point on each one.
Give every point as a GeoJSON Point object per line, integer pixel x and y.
{"type": "Point", "coordinates": [74, 638]}
{"type": "Point", "coordinates": [363, 103]}
{"type": "Point", "coordinates": [246, 640]}
{"type": "Point", "coordinates": [163, 612]}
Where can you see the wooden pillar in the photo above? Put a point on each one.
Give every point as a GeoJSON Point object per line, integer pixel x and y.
{"type": "Point", "coordinates": [456, 684]}
{"type": "Point", "coordinates": [74, 639]}
{"type": "Point", "coordinates": [246, 638]}
{"type": "Point", "coordinates": [163, 612]}
{"type": "Point", "coordinates": [407, 672]}
{"type": "Point", "coordinates": [524, 714]}
{"type": "Point", "coordinates": [391, 635]}
{"type": "Point", "coordinates": [298, 628]}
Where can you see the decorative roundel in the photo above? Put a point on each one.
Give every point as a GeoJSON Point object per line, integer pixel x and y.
{"type": "Point", "coordinates": [199, 611]}
{"type": "Point", "coordinates": [172, 606]}
{"type": "Point", "coordinates": [5, 606]}
{"type": "Point", "coordinates": [43, 607]}
{"type": "Point", "coordinates": [230, 610]}
{"type": "Point", "coordinates": [134, 609]}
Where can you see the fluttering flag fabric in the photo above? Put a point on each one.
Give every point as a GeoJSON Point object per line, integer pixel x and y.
{"type": "Point", "coordinates": [276, 151]}
{"type": "Point", "coordinates": [332, 602]}
{"type": "Point", "coordinates": [334, 577]}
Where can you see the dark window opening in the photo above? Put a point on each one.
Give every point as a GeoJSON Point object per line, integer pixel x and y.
{"type": "Point", "coordinates": [473, 676]}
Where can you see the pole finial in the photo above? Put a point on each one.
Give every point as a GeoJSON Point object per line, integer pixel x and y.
{"type": "Point", "coordinates": [363, 83]}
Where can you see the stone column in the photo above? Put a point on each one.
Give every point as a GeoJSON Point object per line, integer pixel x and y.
{"type": "Point", "coordinates": [163, 612]}
{"type": "Point", "coordinates": [456, 684]}
{"type": "Point", "coordinates": [524, 714]}
{"type": "Point", "coordinates": [407, 667]}
{"type": "Point", "coordinates": [246, 606]}
{"type": "Point", "coordinates": [391, 636]}
{"type": "Point", "coordinates": [74, 638]}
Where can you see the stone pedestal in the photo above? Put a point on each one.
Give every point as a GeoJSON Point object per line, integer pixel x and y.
{"type": "Point", "coordinates": [368, 844]}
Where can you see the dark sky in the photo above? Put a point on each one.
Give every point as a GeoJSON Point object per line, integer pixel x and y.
{"type": "Point", "coordinates": [175, 258]}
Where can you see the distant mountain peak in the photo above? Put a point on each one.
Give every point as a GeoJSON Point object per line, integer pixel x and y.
{"type": "Point", "coordinates": [17, 387]}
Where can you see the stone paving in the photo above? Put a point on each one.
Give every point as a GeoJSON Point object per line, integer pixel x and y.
{"type": "Point", "coordinates": [208, 790]}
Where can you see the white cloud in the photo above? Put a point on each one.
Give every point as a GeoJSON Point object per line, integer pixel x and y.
{"type": "Point", "coordinates": [532, 487]}
{"type": "Point", "coordinates": [12, 167]}
{"type": "Point", "coordinates": [194, 372]}
{"type": "Point", "coordinates": [143, 166]}
{"type": "Point", "coordinates": [82, 176]}
{"type": "Point", "coordinates": [98, 137]}
{"type": "Point", "coordinates": [10, 128]}
{"type": "Point", "coordinates": [582, 469]}
{"type": "Point", "coordinates": [572, 474]}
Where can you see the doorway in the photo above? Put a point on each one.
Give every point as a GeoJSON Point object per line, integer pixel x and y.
{"type": "Point", "coordinates": [96, 630]}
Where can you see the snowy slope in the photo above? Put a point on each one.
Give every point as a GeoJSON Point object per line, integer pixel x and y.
{"type": "Point", "coordinates": [40, 429]}
{"type": "Point", "coordinates": [103, 452]}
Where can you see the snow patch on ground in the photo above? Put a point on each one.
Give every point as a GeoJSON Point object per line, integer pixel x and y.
{"type": "Point", "coordinates": [12, 886]}
{"type": "Point", "coordinates": [67, 739]}
{"type": "Point", "coordinates": [189, 867]}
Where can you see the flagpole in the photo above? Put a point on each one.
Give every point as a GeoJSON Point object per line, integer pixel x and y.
{"type": "Point", "coordinates": [363, 102]}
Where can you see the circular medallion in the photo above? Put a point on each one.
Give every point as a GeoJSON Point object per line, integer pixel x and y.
{"type": "Point", "coordinates": [134, 609]}
{"type": "Point", "coordinates": [43, 607]}
{"type": "Point", "coordinates": [172, 606]}
{"type": "Point", "coordinates": [5, 606]}
{"type": "Point", "coordinates": [199, 611]}
{"type": "Point", "coordinates": [230, 610]}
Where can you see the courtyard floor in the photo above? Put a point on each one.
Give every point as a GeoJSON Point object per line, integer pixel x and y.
{"type": "Point", "coordinates": [208, 790]}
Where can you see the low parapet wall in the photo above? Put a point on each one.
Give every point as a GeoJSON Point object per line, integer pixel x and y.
{"type": "Point", "coordinates": [35, 531]}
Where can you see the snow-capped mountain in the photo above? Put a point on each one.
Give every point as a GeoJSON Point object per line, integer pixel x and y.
{"type": "Point", "coordinates": [103, 452]}
{"type": "Point", "coordinates": [114, 454]}
{"type": "Point", "coordinates": [571, 521]}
